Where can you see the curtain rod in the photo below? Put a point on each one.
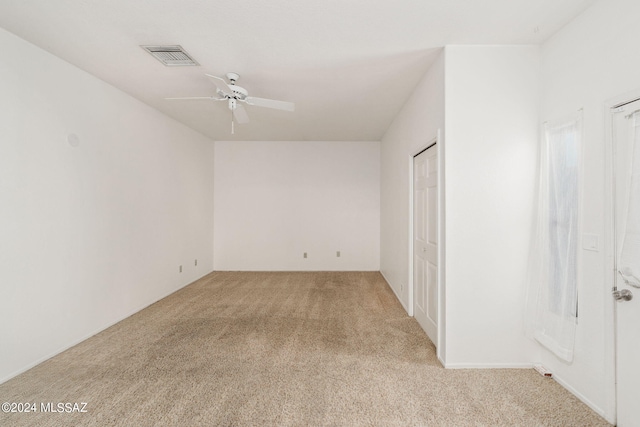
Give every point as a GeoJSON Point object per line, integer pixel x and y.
{"type": "Point", "coordinates": [625, 103]}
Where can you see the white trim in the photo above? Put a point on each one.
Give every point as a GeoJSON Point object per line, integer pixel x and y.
{"type": "Point", "coordinates": [526, 365]}
{"type": "Point", "coordinates": [411, 237]}
{"type": "Point", "coordinates": [95, 332]}
{"type": "Point", "coordinates": [440, 348]}
{"type": "Point", "coordinates": [609, 253]}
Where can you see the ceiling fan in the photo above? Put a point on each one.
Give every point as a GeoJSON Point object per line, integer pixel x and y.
{"type": "Point", "coordinates": [235, 95]}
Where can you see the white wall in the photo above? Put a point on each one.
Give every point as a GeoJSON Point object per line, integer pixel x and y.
{"type": "Point", "coordinates": [593, 59]}
{"type": "Point", "coordinates": [486, 99]}
{"type": "Point", "coordinates": [93, 233]}
{"type": "Point", "coordinates": [490, 163]}
{"type": "Point", "coordinates": [415, 126]}
{"type": "Point", "coordinates": [276, 200]}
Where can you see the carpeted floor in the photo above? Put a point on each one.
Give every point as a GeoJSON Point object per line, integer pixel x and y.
{"type": "Point", "coordinates": [285, 349]}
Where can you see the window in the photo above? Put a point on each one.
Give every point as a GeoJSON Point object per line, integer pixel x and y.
{"type": "Point", "coordinates": [553, 280]}
{"type": "Point", "coordinates": [563, 173]}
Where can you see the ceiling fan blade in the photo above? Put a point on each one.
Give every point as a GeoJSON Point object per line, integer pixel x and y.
{"type": "Point", "coordinates": [240, 114]}
{"type": "Point", "coordinates": [270, 103]}
{"type": "Point", "coordinates": [221, 85]}
{"type": "Point", "coordinates": [211, 98]}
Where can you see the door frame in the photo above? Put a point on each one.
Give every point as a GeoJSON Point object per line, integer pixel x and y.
{"type": "Point", "coordinates": [610, 253]}
{"type": "Point", "coordinates": [437, 140]}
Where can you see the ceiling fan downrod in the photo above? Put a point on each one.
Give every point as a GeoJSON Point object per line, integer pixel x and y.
{"type": "Point", "coordinates": [232, 106]}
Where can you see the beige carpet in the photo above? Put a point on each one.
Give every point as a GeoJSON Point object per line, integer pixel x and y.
{"type": "Point", "coordinates": [290, 349]}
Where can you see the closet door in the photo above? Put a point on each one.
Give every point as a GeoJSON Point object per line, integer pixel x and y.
{"type": "Point", "coordinates": [425, 241]}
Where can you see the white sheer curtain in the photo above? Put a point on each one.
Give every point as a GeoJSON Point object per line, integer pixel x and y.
{"type": "Point", "coordinates": [553, 291]}
{"type": "Point", "coordinates": [629, 264]}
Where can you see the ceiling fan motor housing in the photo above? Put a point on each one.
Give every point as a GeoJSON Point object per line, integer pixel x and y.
{"type": "Point", "coordinates": [238, 92]}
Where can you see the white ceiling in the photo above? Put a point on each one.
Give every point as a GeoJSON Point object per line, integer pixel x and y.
{"type": "Point", "coordinates": [349, 65]}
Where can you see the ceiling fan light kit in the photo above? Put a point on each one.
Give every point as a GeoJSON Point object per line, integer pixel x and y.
{"type": "Point", "coordinates": [235, 95]}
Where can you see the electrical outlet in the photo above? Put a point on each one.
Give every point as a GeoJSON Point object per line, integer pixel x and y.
{"type": "Point", "coordinates": [180, 269]}
{"type": "Point", "coordinates": [338, 254]}
{"type": "Point", "coordinates": [304, 255]}
{"type": "Point", "coordinates": [196, 263]}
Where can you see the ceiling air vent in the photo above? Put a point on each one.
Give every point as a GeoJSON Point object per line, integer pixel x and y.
{"type": "Point", "coordinates": [171, 56]}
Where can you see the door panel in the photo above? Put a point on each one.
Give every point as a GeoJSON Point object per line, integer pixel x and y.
{"type": "Point", "coordinates": [425, 241]}
{"type": "Point", "coordinates": [626, 159]}
{"type": "Point", "coordinates": [432, 279]}
{"type": "Point", "coordinates": [419, 298]}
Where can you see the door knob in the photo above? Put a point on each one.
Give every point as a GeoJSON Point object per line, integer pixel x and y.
{"type": "Point", "coordinates": [623, 295]}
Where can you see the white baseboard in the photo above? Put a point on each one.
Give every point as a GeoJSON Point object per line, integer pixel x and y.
{"type": "Point", "coordinates": [488, 365]}
{"type": "Point", "coordinates": [97, 331]}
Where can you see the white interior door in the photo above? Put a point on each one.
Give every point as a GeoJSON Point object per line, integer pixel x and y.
{"type": "Point", "coordinates": [425, 241]}
{"type": "Point", "coordinates": [626, 122]}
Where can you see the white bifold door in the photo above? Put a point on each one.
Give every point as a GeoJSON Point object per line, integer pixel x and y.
{"type": "Point", "coordinates": [425, 241]}
{"type": "Point", "coordinates": [626, 173]}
